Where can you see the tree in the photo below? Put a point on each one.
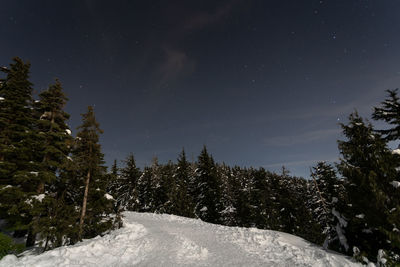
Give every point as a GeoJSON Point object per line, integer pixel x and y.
{"type": "Point", "coordinates": [182, 177]}
{"type": "Point", "coordinates": [389, 111]}
{"type": "Point", "coordinates": [18, 147]}
{"type": "Point", "coordinates": [207, 205]}
{"type": "Point", "coordinates": [326, 195]}
{"type": "Point", "coordinates": [145, 191]}
{"type": "Point", "coordinates": [368, 168]}
{"type": "Point", "coordinates": [126, 184]}
{"type": "Point", "coordinates": [88, 160]}
{"type": "Point", "coordinates": [54, 142]}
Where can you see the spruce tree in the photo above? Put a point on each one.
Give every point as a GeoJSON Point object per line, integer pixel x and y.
{"type": "Point", "coordinates": [112, 185]}
{"type": "Point", "coordinates": [368, 168]}
{"type": "Point", "coordinates": [389, 111]}
{"type": "Point", "coordinates": [19, 178]}
{"type": "Point", "coordinates": [55, 141]}
{"type": "Point", "coordinates": [207, 201]}
{"type": "Point", "coordinates": [126, 191]}
{"type": "Point", "coordinates": [145, 191]}
{"type": "Point", "coordinates": [327, 194]}
{"type": "Point", "coordinates": [182, 177]}
{"type": "Point", "coordinates": [229, 195]}
{"type": "Point", "coordinates": [91, 176]}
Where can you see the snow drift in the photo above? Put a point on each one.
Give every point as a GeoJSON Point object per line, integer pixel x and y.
{"type": "Point", "coordinates": [168, 240]}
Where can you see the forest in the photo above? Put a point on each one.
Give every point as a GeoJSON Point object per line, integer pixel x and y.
{"type": "Point", "coordinates": [55, 189]}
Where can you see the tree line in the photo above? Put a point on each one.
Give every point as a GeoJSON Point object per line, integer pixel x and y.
{"type": "Point", "coordinates": [54, 188]}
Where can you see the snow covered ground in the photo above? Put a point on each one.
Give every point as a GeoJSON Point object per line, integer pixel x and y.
{"type": "Point", "coordinates": [167, 240]}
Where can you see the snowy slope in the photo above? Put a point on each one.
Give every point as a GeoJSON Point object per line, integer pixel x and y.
{"type": "Point", "coordinates": [167, 240]}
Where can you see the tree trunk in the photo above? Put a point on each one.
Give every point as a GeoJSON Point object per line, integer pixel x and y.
{"type": "Point", "coordinates": [83, 213]}
{"type": "Point", "coordinates": [31, 238]}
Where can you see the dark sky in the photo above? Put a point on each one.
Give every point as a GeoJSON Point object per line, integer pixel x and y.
{"type": "Point", "coordinates": [260, 82]}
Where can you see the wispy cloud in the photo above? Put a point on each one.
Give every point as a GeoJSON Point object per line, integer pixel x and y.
{"type": "Point", "coordinates": [303, 138]}
{"type": "Point", "coordinates": [203, 19]}
{"type": "Point", "coordinates": [309, 162]}
{"type": "Point", "coordinates": [175, 65]}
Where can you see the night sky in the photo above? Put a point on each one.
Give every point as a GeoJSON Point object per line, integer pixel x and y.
{"type": "Point", "coordinates": [261, 83]}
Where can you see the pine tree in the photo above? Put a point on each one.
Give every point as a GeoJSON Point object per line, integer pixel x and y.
{"type": "Point", "coordinates": [207, 205]}
{"type": "Point", "coordinates": [145, 191]}
{"type": "Point", "coordinates": [18, 146]}
{"type": "Point", "coordinates": [55, 141]}
{"type": "Point", "coordinates": [229, 195]}
{"type": "Point", "coordinates": [126, 191]}
{"type": "Point", "coordinates": [242, 192]}
{"type": "Point", "coordinates": [91, 175]}
{"type": "Point", "coordinates": [326, 195]}
{"type": "Point", "coordinates": [182, 177]}
{"type": "Point", "coordinates": [368, 167]}
{"type": "Point", "coordinates": [389, 111]}
{"type": "Point", "coordinates": [112, 185]}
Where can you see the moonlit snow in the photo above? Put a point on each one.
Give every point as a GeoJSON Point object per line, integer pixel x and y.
{"type": "Point", "coordinates": [167, 240]}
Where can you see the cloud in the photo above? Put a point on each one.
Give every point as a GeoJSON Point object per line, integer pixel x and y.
{"type": "Point", "coordinates": [304, 138]}
{"type": "Point", "coordinates": [176, 64]}
{"type": "Point", "coordinates": [309, 162]}
{"type": "Point", "coordinates": [203, 19]}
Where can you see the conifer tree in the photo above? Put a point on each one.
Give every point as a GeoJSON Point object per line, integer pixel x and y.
{"type": "Point", "coordinates": [182, 177]}
{"type": "Point", "coordinates": [389, 111]}
{"type": "Point", "coordinates": [126, 191]}
{"type": "Point", "coordinates": [54, 141]}
{"type": "Point", "coordinates": [229, 195]}
{"type": "Point", "coordinates": [166, 192]}
{"type": "Point", "coordinates": [207, 205]}
{"type": "Point", "coordinates": [368, 167]}
{"type": "Point", "coordinates": [112, 185]}
{"type": "Point", "coordinates": [18, 147]}
{"type": "Point", "coordinates": [91, 175]}
{"type": "Point", "coordinates": [327, 194]}
{"type": "Point", "coordinates": [145, 191]}
{"type": "Point", "coordinates": [242, 193]}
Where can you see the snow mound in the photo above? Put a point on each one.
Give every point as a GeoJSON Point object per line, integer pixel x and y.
{"type": "Point", "coordinates": [167, 240]}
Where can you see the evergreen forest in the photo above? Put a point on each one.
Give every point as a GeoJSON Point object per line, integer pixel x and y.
{"type": "Point", "coordinates": [55, 189]}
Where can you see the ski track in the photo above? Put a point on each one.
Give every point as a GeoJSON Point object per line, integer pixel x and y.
{"type": "Point", "coordinates": [167, 240]}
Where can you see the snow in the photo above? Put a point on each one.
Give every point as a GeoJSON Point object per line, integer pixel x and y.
{"type": "Point", "coordinates": [167, 240]}
{"type": "Point", "coordinates": [396, 184]}
{"type": "Point", "coordinates": [109, 197]}
{"type": "Point", "coordinates": [68, 131]}
{"type": "Point", "coordinates": [35, 173]}
{"type": "Point", "coordinates": [396, 151]}
{"type": "Point", "coordinates": [39, 197]}
{"type": "Point", "coordinates": [360, 216]}
{"type": "Point", "coordinates": [204, 209]}
{"type": "Point", "coordinates": [7, 186]}
{"type": "Point", "coordinates": [1, 98]}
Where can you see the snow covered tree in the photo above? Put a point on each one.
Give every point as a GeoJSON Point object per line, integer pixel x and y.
{"type": "Point", "coordinates": [145, 191]}
{"type": "Point", "coordinates": [368, 168]}
{"type": "Point", "coordinates": [207, 199]}
{"type": "Point", "coordinates": [54, 141]}
{"type": "Point", "coordinates": [389, 111]}
{"type": "Point", "coordinates": [229, 195]}
{"type": "Point", "coordinates": [90, 174]}
{"type": "Point", "coordinates": [18, 147]}
{"type": "Point", "coordinates": [182, 176]}
{"type": "Point", "coordinates": [112, 185]}
{"type": "Point", "coordinates": [326, 194]}
{"type": "Point", "coordinates": [126, 182]}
